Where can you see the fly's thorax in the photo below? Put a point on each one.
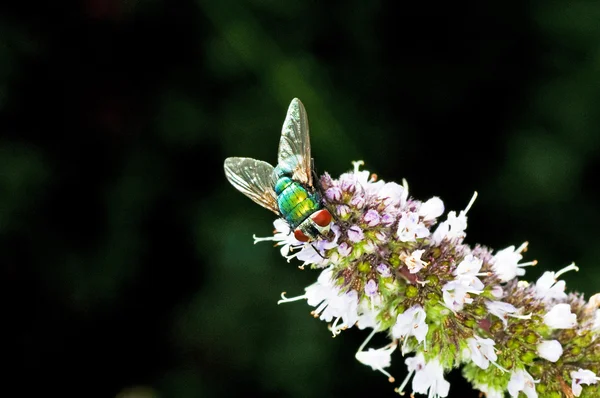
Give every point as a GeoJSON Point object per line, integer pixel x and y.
{"type": "Point", "coordinates": [281, 184]}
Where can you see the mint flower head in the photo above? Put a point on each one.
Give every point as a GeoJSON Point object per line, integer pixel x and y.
{"type": "Point", "coordinates": [398, 266]}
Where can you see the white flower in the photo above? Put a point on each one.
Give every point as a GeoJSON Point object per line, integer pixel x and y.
{"type": "Point", "coordinates": [381, 236]}
{"type": "Point", "coordinates": [468, 267]}
{"type": "Point", "coordinates": [371, 288]}
{"type": "Point", "coordinates": [411, 323]}
{"type": "Point", "coordinates": [331, 303]}
{"type": "Point", "coordinates": [322, 289]}
{"type": "Point", "coordinates": [520, 380]}
{"type": "Point", "coordinates": [506, 263]}
{"type": "Point", "coordinates": [309, 255]}
{"type": "Point", "coordinates": [467, 272]}
{"type": "Point", "coordinates": [355, 234]}
{"type": "Point", "coordinates": [393, 195]}
{"type": "Point", "coordinates": [344, 249]}
{"type": "Point", "coordinates": [497, 291]}
{"type": "Point", "coordinates": [431, 209]}
{"type": "Point", "coordinates": [377, 359]}
{"type": "Point", "coordinates": [560, 317]}
{"type": "Point", "coordinates": [410, 228]}
{"type": "Point", "coordinates": [414, 364]}
{"type": "Point", "coordinates": [456, 294]}
{"type": "Point", "coordinates": [454, 227]}
{"type": "Point", "coordinates": [363, 177]}
{"type": "Point", "coordinates": [482, 351]}
{"type": "Point", "coordinates": [429, 377]}
{"type": "Point", "coordinates": [367, 316]}
{"type": "Point", "coordinates": [548, 287]}
{"type": "Point", "coordinates": [500, 309]}
{"type": "Point", "coordinates": [596, 325]}
{"type": "Point", "coordinates": [550, 350]}
{"type": "Point", "coordinates": [384, 270]}
{"type": "Point", "coordinates": [283, 238]}
{"type": "Point", "coordinates": [345, 306]}
{"type": "Point", "coordinates": [594, 301]}
{"type": "Point", "coordinates": [582, 376]}
{"type": "Point", "coordinates": [371, 217]}
{"type": "Point", "coordinates": [414, 262]}
{"type": "Point", "coordinates": [503, 310]}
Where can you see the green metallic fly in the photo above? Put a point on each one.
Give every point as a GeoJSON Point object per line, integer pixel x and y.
{"type": "Point", "coordinates": [287, 189]}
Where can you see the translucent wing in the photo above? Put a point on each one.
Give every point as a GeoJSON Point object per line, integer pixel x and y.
{"type": "Point", "coordinates": [294, 146]}
{"type": "Point", "coordinates": [253, 178]}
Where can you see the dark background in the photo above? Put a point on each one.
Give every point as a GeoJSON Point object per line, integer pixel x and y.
{"type": "Point", "coordinates": [127, 260]}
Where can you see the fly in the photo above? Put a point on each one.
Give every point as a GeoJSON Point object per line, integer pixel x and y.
{"type": "Point", "coordinates": [286, 189]}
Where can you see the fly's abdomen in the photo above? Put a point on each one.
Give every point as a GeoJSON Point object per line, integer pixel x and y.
{"type": "Point", "coordinates": [295, 202]}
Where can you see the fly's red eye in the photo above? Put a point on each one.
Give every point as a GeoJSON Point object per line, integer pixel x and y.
{"type": "Point", "coordinates": [322, 218]}
{"type": "Point", "coordinates": [299, 235]}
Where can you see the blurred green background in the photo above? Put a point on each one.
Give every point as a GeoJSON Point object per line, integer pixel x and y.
{"type": "Point", "coordinates": [128, 265]}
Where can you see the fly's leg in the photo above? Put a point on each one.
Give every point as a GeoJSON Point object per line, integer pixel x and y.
{"type": "Point", "coordinates": [313, 245]}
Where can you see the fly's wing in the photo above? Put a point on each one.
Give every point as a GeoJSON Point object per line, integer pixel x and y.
{"type": "Point", "coordinates": [294, 146]}
{"type": "Point", "coordinates": [253, 178]}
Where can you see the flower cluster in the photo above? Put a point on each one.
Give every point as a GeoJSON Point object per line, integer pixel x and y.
{"type": "Point", "coordinates": [395, 266]}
